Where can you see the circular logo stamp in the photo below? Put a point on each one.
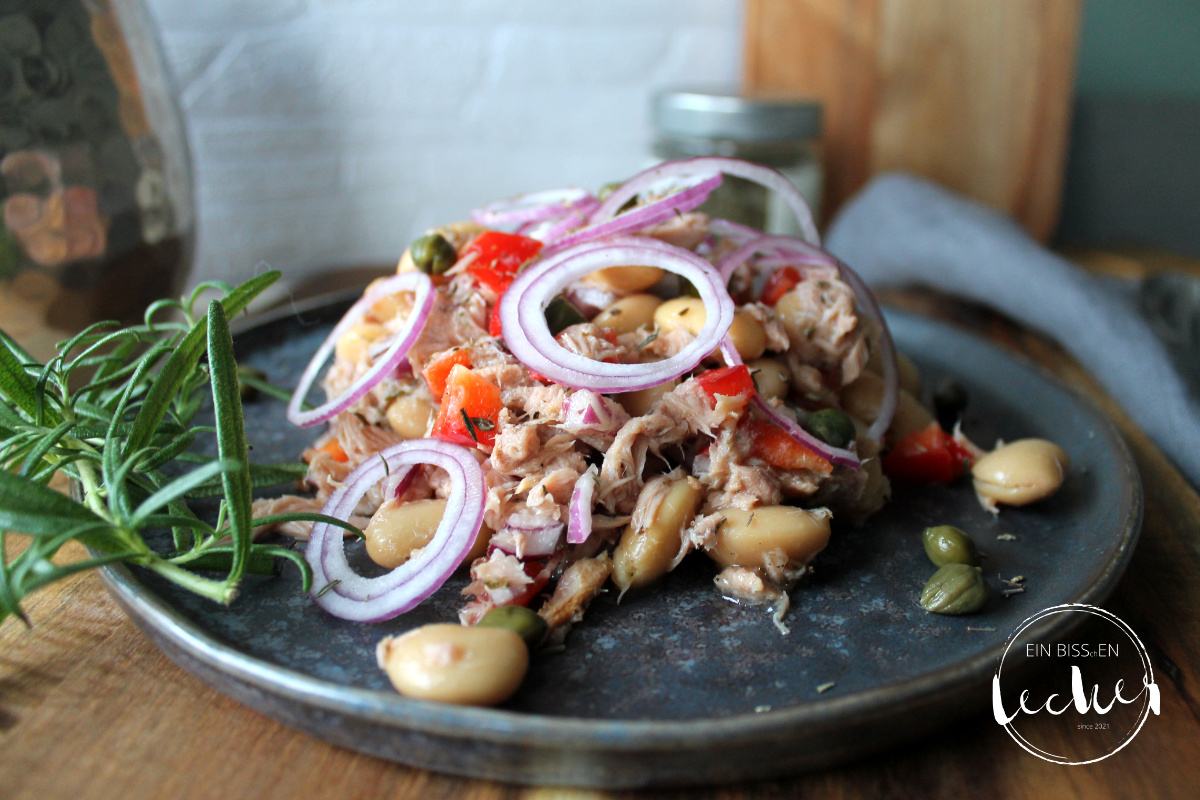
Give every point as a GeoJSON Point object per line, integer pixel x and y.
{"type": "Point", "coordinates": [1099, 687]}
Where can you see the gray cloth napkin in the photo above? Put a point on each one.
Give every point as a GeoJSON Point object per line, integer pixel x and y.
{"type": "Point", "coordinates": [905, 230]}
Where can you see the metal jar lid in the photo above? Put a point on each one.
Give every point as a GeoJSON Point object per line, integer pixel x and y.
{"type": "Point", "coordinates": [724, 114]}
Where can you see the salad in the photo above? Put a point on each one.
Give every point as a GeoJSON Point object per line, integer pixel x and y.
{"type": "Point", "coordinates": [571, 390]}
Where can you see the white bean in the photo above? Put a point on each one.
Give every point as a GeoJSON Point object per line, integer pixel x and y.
{"type": "Point", "coordinates": [352, 345]}
{"type": "Point", "coordinates": [627, 279]}
{"type": "Point", "coordinates": [1020, 472]}
{"type": "Point", "coordinates": [771, 378]}
{"type": "Point", "coordinates": [629, 313]}
{"type": "Point", "coordinates": [455, 664]}
{"type": "Point", "coordinates": [748, 538]}
{"type": "Point", "coordinates": [644, 555]}
{"type": "Point", "coordinates": [640, 402]}
{"type": "Point", "coordinates": [680, 313]}
{"type": "Point", "coordinates": [397, 530]}
{"type": "Point", "coordinates": [410, 415]}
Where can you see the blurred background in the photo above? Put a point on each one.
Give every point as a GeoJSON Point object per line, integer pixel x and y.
{"type": "Point", "coordinates": [334, 131]}
{"type": "Point", "coordinates": [329, 133]}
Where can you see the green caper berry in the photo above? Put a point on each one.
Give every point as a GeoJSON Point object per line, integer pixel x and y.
{"type": "Point", "coordinates": [949, 402]}
{"type": "Point", "coordinates": [433, 254]}
{"type": "Point", "coordinates": [946, 544]}
{"type": "Point", "coordinates": [520, 620]}
{"type": "Point", "coordinates": [831, 426]}
{"type": "Point", "coordinates": [560, 315]}
{"type": "Point", "coordinates": [955, 589]}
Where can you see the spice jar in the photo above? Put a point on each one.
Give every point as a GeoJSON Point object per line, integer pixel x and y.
{"type": "Point", "coordinates": [782, 133]}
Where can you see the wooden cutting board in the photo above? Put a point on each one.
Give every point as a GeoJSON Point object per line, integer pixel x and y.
{"type": "Point", "coordinates": [974, 95]}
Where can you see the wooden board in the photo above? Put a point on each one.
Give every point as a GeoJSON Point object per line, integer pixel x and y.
{"type": "Point", "coordinates": [974, 95]}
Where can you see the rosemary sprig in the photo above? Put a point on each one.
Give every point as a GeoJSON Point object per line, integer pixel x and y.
{"type": "Point", "coordinates": [125, 438]}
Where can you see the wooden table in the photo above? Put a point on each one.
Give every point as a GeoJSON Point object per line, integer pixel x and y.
{"type": "Point", "coordinates": [90, 709]}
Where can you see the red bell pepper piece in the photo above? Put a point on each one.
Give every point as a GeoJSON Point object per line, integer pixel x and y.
{"type": "Point", "coordinates": [729, 381]}
{"type": "Point", "coordinates": [470, 409]}
{"type": "Point", "coordinates": [929, 455]}
{"type": "Point", "coordinates": [773, 445]}
{"type": "Point", "coordinates": [782, 281]}
{"type": "Point", "coordinates": [437, 371]}
{"type": "Point", "coordinates": [498, 257]}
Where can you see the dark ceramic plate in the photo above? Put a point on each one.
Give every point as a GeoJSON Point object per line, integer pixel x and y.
{"type": "Point", "coordinates": [680, 686]}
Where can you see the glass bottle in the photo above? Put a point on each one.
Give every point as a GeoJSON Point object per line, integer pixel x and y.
{"type": "Point", "coordinates": [95, 184]}
{"type": "Point", "coordinates": [782, 133]}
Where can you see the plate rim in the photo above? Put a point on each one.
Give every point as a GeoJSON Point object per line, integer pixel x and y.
{"type": "Point", "coordinates": [498, 725]}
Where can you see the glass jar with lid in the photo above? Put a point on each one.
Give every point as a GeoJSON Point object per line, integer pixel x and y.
{"type": "Point", "coordinates": [777, 132]}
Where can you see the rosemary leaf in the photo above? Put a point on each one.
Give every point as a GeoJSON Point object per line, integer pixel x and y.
{"type": "Point", "coordinates": [231, 436]}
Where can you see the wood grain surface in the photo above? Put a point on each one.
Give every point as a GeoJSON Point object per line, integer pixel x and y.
{"type": "Point", "coordinates": [974, 95]}
{"type": "Point", "coordinates": [90, 709]}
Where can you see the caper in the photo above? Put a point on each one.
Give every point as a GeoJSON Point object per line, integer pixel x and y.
{"type": "Point", "coordinates": [433, 254]}
{"type": "Point", "coordinates": [831, 426]}
{"type": "Point", "coordinates": [955, 589]}
{"type": "Point", "coordinates": [949, 402]}
{"type": "Point", "coordinates": [687, 288]}
{"type": "Point", "coordinates": [520, 620]}
{"type": "Point", "coordinates": [560, 315]}
{"type": "Point", "coordinates": [946, 544]}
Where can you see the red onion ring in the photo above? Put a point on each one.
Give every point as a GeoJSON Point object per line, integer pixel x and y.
{"type": "Point", "coordinates": [707, 165]}
{"type": "Point", "coordinates": [784, 249]}
{"type": "Point", "coordinates": [554, 228]}
{"type": "Point", "coordinates": [417, 282]}
{"type": "Point", "coordinates": [579, 512]}
{"type": "Point", "coordinates": [344, 593]}
{"type": "Point", "coordinates": [887, 352]}
{"type": "Point", "coordinates": [523, 321]}
{"type": "Point", "coordinates": [533, 207]}
{"type": "Point", "coordinates": [735, 232]}
{"type": "Point", "coordinates": [691, 192]}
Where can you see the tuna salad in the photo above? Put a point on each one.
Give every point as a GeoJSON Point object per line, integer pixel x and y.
{"type": "Point", "coordinates": [572, 391]}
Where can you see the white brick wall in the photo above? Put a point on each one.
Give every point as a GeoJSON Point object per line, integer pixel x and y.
{"type": "Point", "coordinates": [331, 132]}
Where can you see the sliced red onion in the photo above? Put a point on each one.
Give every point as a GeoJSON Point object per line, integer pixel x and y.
{"type": "Point", "coordinates": [385, 365]}
{"type": "Point", "coordinates": [708, 165]}
{"type": "Point", "coordinates": [548, 230]}
{"type": "Point", "coordinates": [528, 542]}
{"type": "Point", "coordinates": [735, 232]}
{"type": "Point", "coordinates": [522, 313]}
{"type": "Point", "coordinates": [344, 593]}
{"type": "Point", "coordinates": [585, 410]}
{"type": "Point", "coordinates": [556, 229]}
{"type": "Point", "coordinates": [834, 455]}
{"type": "Point", "coordinates": [579, 514]}
{"type": "Point", "coordinates": [783, 250]}
{"type": "Point", "coordinates": [534, 207]}
{"type": "Point", "coordinates": [686, 194]}
{"type": "Point", "coordinates": [887, 351]}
